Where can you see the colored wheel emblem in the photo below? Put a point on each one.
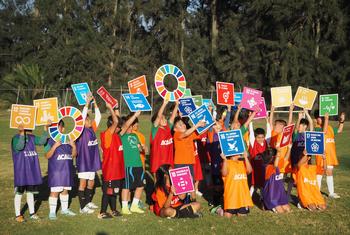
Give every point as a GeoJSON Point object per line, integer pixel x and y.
{"type": "Point", "coordinates": [169, 69]}
{"type": "Point", "coordinates": [74, 113]}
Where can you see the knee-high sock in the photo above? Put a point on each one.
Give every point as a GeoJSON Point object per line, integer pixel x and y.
{"type": "Point", "coordinates": [89, 193]}
{"type": "Point", "coordinates": [104, 203]}
{"type": "Point", "coordinates": [112, 202]}
{"type": "Point", "coordinates": [82, 199]}
{"type": "Point", "coordinates": [30, 202]}
{"type": "Point", "coordinates": [330, 184]}
{"type": "Point", "coordinates": [53, 204]}
{"type": "Point", "coordinates": [252, 189]}
{"type": "Point", "coordinates": [64, 201]}
{"type": "Point", "coordinates": [17, 202]}
{"type": "Point", "coordinates": [319, 181]}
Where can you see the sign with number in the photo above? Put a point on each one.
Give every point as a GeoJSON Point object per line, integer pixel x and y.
{"type": "Point", "coordinates": [238, 98]}
{"type": "Point", "coordinates": [225, 93]}
{"type": "Point", "coordinates": [209, 102]}
{"type": "Point", "coordinates": [81, 90]}
{"type": "Point", "coordinates": [23, 115]}
{"type": "Point", "coordinates": [138, 85]}
{"type": "Point", "coordinates": [329, 104]}
{"type": "Point", "coordinates": [281, 96]}
{"type": "Point", "coordinates": [305, 98]}
{"type": "Point", "coordinates": [263, 112]}
{"type": "Point", "coordinates": [47, 109]}
{"type": "Point", "coordinates": [182, 180]}
{"type": "Point", "coordinates": [251, 98]}
{"type": "Point", "coordinates": [314, 143]}
{"type": "Point", "coordinates": [231, 142]}
{"type": "Point", "coordinates": [186, 106]}
{"type": "Point", "coordinates": [137, 102]}
{"type": "Point", "coordinates": [107, 97]}
{"type": "Point", "coordinates": [287, 135]}
{"type": "Point", "coordinates": [198, 100]}
{"type": "Point", "coordinates": [202, 113]}
{"type": "Point", "coordinates": [188, 93]}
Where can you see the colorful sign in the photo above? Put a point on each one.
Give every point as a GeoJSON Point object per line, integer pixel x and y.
{"type": "Point", "coordinates": [137, 102]}
{"type": "Point", "coordinates": [208, 102]}
{"type": "Point", "coordinates": [188, 93]}
{"type": "Point", "coordinates": [198, 100]}
{"type": "Point", "coordinates": [238, 98]}
{"type": "Point", "coordinates": [231, 142]}
{"type": "Point", "coordinates": [281, 96]}
{"type": "Point", "coordinates": [287, 135]}
{"type": "Point", "coordinates": [305, 98]}
{"type": "Point", "coordinates": [263, 112]}
{"type": "Point", "coordinates": [47, 109]}
{"type": "Point", "coordinates": [182, 180]}
{"type": "Point", "coordinates": [251, 98]}
{"type": "Point", "coordinates": [81, 90]}
{"type": "Point", "coordinates": [169, 69]}
{"type": "Point", "coordinates": [202, 113]}
{"type": "Point", "coordinates": [79, 122]}
{"type": "Point", "coordinates": [23, 115]}
{"type": "Point", "coordinates": [107, 97]}
{"type": "Point", "coordinates": [186, 106]}
{"type": "Point", "coordinates": [314, 143]}
{"type": "Point", "coordinates": [225, 93]}
{"type": "Point", "coordinates": [138, 85]}
{"type": "Point", "coordinates": [329, 104]}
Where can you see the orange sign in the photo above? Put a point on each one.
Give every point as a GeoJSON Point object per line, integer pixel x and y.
{"type": "Point", "coordinates": [138, 85]}
{"type": "Point", "coordinates": [305, 98]}
{"type": "Point", "coordinates": [47, 109]}
{"type": "Point", "coordinates": [23, 114]}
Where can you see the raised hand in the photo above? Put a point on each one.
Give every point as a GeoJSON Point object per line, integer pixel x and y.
{"type": "Point", "coordinates": [342, 117]}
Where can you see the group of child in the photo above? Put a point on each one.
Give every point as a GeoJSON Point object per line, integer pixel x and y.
{"type": "Point", "coordinates": [175, 143]}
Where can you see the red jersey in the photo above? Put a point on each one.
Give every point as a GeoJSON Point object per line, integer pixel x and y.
{"type": "Point", "coordinates": [258, 172]}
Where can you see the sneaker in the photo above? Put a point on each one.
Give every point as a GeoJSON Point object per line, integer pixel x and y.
{"type": "Point", "coordinates": [116, 213]}
{"type": "Point", "coordinates": [52, 216]}
{"type": "Point", "coordinates": [104, 216]}
{"type": "Point", "coordinates": [141, 205]}
{"type": "Point", "coordinates": [86, 210]}
{"type": "Point", "coordinates": [214, 209]}
{"type": "Point", "coordinates": [34, 217]}
{"type": "Point", "coordinates": [136, 209]}
{"type": "Point", "coordinates": [92, 205]}
{"type": "Point", "coordinates": [299, 206]}
{"type": "Point", "coordinates": [68, 212]}
{"type": "Point", "coordinates": [20, 219]}
{"type": "Point", "coordinates": [126, 211]}
{"type": "Point", "coordinates": [334, 195]}
{"type": "Point", "coordinates": [199, 194]}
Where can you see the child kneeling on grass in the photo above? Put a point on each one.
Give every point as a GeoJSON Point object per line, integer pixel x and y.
{"type": "Point", "coordinates": [167, 204]}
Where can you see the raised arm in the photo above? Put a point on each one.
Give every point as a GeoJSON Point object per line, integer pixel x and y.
{"type": "Point", "coordinates": [272, 113]}
{"type": "Point", "coordinates": [341, 122]}
{"type": "Point", "coordinates": [235, 119]}
{"type": "Point", "coordinates": [112, 128]}
{"type": "Point", "coordinates": [268, 132]}
{"type": "Point", "coordinates": [89, 98]}
{"type": "Point", "coordinates": [300, 116]}
{"type": "Point", "coordinates": [52, 150]}
{"type": "Point", "coordinates": [290, 117]}
{"type": "Point", "coordinates": [227, 117]}
{"type": "Point", "coordinates": [224, 170]}
{"type": "Point", "coordinates": [160, 113]}
{"type": "Point", "coordinates": [251, 134]}
{"type": "Point", "coordinates": [247, 163]}
{"type": "Point", "coordinates": [189, 131]}
{"type": "Point", "coordinates": [250, 118]}
{"type": "Point", "coordinates": [174, 113]}
{"type": "Point", "coordinates": [97, 113]}
{"type": "Point", "coordinates": [311, 123]}
{"type": "Point", "coordinates": [326, 123]}
{"type": "Point", "coordinates": [128, 123]}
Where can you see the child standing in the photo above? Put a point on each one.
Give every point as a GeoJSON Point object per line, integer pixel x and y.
{"type": "Point", "coordinates": [60, 173]}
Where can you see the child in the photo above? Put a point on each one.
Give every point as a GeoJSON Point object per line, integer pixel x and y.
{"type": "Point", "coordinates": [162, 148]}
{"type": "Point", "coordinates": [274, 195]}
{"type": "Point", "coordinates": [113, 171]}
{"type": "Point", "coordinates": [330, 151]}
{"type": "Point", "coordinates": [167, 204]}
{"type": "Point", "coordinates": [237, 199]}
{"type": "Point", "coordinates": [88, 158]}
{"type": "Point", "coordinates": [199, 146]}
{"type": "Point", "coordinates": [60, 173]}
{"type": "Point", "coordinates": [134, 173]}
{"type": "Point", "coordinates": [27, 173]}
{"type": "Point", "coordinates": [135, 130]}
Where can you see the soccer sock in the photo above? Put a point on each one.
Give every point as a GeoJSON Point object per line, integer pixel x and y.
{"type": "Point", "coordinates": [30, 202]}
{"type": "Point", "coordinates": [330, 184]}
{"type": "Point", "coordinates": [89, 193]}
{"type": "Point", "coordinates": [135, 202]}
{"type": "Point", "coordinates": [125, 204]}
{"type": "Point", "coordinates": [112, 202]}
{"type": "Point", "coordinates": [82, 199]}
{"type": "Point", "coordinates": [104, 203]}
{"type": "Point", "coordinates": [17, 201]}
{"type": "Point", "coordinates": [64, 201]}
{"type": "Point", "coordinates": [319, 181]}
{"type": "Point", "coordinates": [53, 204]}
{"type": "Point", "coordinates": [251, 190]}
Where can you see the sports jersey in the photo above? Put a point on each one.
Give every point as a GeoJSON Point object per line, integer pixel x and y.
{"type": "Point", "coordinates": [131, 150]}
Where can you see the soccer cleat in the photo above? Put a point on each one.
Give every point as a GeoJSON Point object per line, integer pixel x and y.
{"type": "Point", "coordinates": [299, 206]}
{"type": "Point", "coordinates": [334, 195]}
{"type": "Point", "coordinates": [20, 219]}
{"type": "Point", "coordinates": [116, 213]}
{"type": "Point", "coordinates": [34, 217]}
{"type": "Point", "coordinates": [136, 209]}
{"type": "Point", "coordinates": [199, 194]}
{"type": "Point", "coordinates": [126, 211]}
{"type": "Point", "coordinates": [68, 212]}
{"type": "Point", "coordinates": [92, 205]}
{"type": "Point", "coordinates": [104, 216]}
{"type": "Point", "coordinates": [86, 210]}
{"type": "Point", "coordinates": [52, 216]}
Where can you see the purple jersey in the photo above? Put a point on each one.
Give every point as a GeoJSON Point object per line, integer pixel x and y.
{"type": "Point", "coordinates": [214, 151]}
{"type": "Point", "coordinates": [60, 166]}
{"type": "Point", "coordinates": [297, 148]}
{"type": "Point", "coordinates": [26, 163]}
{"type": "Point", "coordinates": [88, 158]}
{"type": "Point", "coordinates": [273, 192]}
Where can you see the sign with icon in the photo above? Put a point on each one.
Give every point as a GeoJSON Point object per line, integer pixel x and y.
{"type": "Point", "coordinates": [314, 143]}
{"type": "Point", "coordinates": [281, 96]}
{"type": "Point", "coordinates": [138, 85]}
{"type": "Point", "coordinates": [137, 102]}
{"type": "Point", "coordinates": [305, 98]}
{"type": "Point", "coordinates": [24, 115]}
{"type": "Point", "coordinates": [251, 98]}
{"type": "Point", "coordinates": [182, 180]}
{"type": "Point", "coordinates": [47, 109]}
{"type": "Point", "coordinates": [329, 104]}
{"type": "Point", "coordinates": [81, 91]}
{"type": "Point", "coordinates": [225, 93]}
{"type": "Point", "coordinates": [201, 113]}
{"type": "Point", "coordinates": [231, 142]}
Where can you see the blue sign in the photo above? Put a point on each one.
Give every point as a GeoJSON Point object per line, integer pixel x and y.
{"type": "Point", "coordinates": [80, 91]}
{"type": "Point", "coordinates": [238, 97]}
{"type": "Point", "coordinates": [231, 142]}
{"type": "Point", "coordinates": [202, 113]}
{"type": "Point", "coordinates": [186, 106]}
{"type": "Point", "coordinates": [137, 102]}
{"type": "Point", "coordinates": [208, 102]}
{"type": "Point", "coordinates": [314, 143]}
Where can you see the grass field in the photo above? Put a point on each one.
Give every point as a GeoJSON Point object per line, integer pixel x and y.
{"type": "Point", "coordinates": [336, 220]}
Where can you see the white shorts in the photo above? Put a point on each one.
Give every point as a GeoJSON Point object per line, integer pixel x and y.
{"type": "Point", "coordinates": [281, 176]}
{"type": "Point", "coordinates": [330, 167]}
{"type": "Point", "coordinates": [86, 175]}
{"type": "Point", "coordinates": [59, 189]}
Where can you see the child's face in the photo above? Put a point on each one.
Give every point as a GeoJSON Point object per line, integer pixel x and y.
{"type": "Point", "coordinates": [319, 121]}
{"type": "Point", "coordinates": [278, 127]}
{"type": "Point", "coordinates": [61, 128]}
{"type": "Point", "coordinates": [302, 128]}
{"type": "Point", "coordinates": [260, 138]}
{"type": "Point", "coordinates": [129, 130]}
{"type": "Point", "coordinates": [217, 127]}
{"type": "Point", "coordinates": [180, 126]}
{"type": "Point", "coordinates": [236, 125]}
{"type": "Point", "coordinates": [135, 127]}
{"type": "Point", "coordinates": [88, 122]}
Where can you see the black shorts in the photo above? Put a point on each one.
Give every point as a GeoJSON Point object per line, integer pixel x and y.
{"type": "Point", "coordinates": [242, 211]}
{"type": "Point", "coordinates": [184, 165]}
{"type": "Point", "coordinates": [112, 187]}
{"type": "Point", "coordinates": [134, 178]}
{"type": "Point", "coordinates": [217, 180]}
{"type": "Point", "coordinates": [27, 188]}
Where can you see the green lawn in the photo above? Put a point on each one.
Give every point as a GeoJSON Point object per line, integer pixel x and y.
{"type": "Point", "coordinates": [335, 220]}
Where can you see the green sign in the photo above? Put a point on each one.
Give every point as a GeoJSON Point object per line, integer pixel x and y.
{"type": "Point", "coordinates": [329, 104]}
{"type": "Point", "coordinates": [188, 93]}
{"type": "Point", "coordinates": [198, 100]}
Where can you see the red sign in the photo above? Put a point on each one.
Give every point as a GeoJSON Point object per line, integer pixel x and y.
{"type": "Point", "coordinates": [138, 85]}
{"type": "Point", "coordinates": [287, 135]}
{"type": "Point", "coordinates": [107, 97]}
{"type": "Point", "coordinates": [225, 93]}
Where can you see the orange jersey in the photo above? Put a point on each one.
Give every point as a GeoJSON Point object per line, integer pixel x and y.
{"type": "Point", "coordinates": [236, 191]}
{"type": "Point", "coordinates": [330, 152]}
{"type": "Point", "coordinates": [308, 191]}
{"type": "Point", "coordinates": [275, 141]}
{"type": "Point", "coordinates": [142, 140]}
{"type": "Point", "coordinates": [184, 149]}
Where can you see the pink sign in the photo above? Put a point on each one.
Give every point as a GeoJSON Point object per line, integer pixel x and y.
{"type": "Point", "coordinates": [287, 135]}
{"type": "Point", "coordinates": [251, 98]}
{"type": "Point", "coordinates": [262, 113]}
{"type": "Point", "coordinates": [181, 178]}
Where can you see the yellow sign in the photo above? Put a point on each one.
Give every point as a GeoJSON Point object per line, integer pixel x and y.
{"type": "Point", "coordinates": [47, 109]}
{"type": "Point", "coordinates": [305, 98]}
{"type": "Point", "coordinates": [23, 114]}
{"type": "Point", "coordinates": [281, 96]}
